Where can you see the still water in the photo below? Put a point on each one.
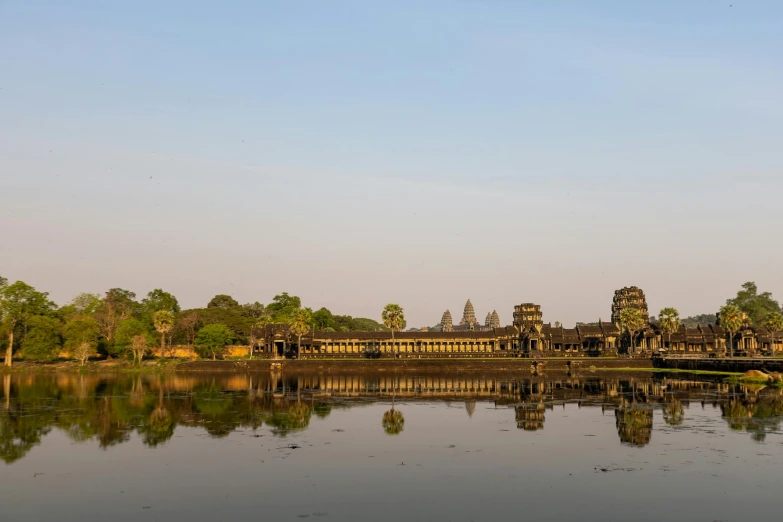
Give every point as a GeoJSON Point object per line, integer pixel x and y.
{"type": "Point", "coordinates": [382, 446]}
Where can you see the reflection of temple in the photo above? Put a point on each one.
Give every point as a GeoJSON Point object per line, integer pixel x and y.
{"type": "Point", "coordinates": [530, 417]}
{"type": "Point", "coordinates": [109, 410]}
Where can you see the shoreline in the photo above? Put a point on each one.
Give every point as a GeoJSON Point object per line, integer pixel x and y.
{"type": "Point", "coordinates": [558, 364]}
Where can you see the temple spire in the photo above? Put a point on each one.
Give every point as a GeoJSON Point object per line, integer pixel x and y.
{"type": "Point", "coordinates": [446, 324]}
{"type": "Point", "coordinates": [468, 316]}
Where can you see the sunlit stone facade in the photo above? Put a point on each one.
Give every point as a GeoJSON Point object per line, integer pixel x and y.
{"type": "Point", "coordinates": [528, 336]}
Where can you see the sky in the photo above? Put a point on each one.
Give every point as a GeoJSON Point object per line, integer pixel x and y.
{"type": "Point", "coordinates": [422, 153]}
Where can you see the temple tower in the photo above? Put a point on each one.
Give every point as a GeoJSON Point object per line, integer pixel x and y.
{"type": "Point", "coordinates": [629, 297]}
{"type": "Point", "coordinates": [488, 320]}
{"type": "Point", "coordinates": [528, 317]}
{"type": "Point", "coordinates": [494, 321]}
{"type": "Point", "coordinates": [445, 322]}
{"type": "Point", "coordinates": [469, 316]}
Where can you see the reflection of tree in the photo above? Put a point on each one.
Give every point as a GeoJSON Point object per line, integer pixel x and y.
{"type": "Point", "coordinates": [322, 409]}
{"type": "Point", "coordinates": [18, 434]}
{"type": "Point", "coordinates": [296, 417]}
{"type": "Point", "coordinates": [530, 417]}
{"type": "Point", "coordinates": [22, 424]}
{"type": "Point", "coordinates": [757, 417]}
{"type": "Point", "coordinates": [393, 422]}
{"type": "Point", "coordinates": [215, 409]}
{"type": "Point", "coordinates": [109, 410]}
{"type": "Point", "coordinates": [634, 424]}
{"type": "Point", "coordinates": [673, 412]}
{"type": "Point", "coordinates": [159, 426]}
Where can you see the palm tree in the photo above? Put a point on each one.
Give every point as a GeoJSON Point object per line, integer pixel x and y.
{"type": "Point", "coordinates": [632, 320]}
{"type": "Point", "coordinates": [393, 421]}
{"type": "Point", "coordinates": [669, 319]}
{"type": "Point", "coordinates": [774, 323]}
{"type": "Point", "coordinates": [730, 318]}
{"type": "Point", "coordinates": [394, 319]}
{"type": "Point", "coordinates": [164, 322]}
{"type": "Point", "coordinates": [300, 325]}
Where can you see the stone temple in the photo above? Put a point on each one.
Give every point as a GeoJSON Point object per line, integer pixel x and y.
{"type": "Point", "coordinates": [629, 297]}
{"type": "Point", "coordinates": [469, 323]}
{"type": "Point", "coordinates": [528, 336]}
{"type": "Point", "coordinates": [446, 325]}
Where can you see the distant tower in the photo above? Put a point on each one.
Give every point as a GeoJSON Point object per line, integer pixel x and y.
{"type": "Point", "coordinates": [488, 320]}
{"type": "Point", "coordinates": [469, 316]}
{"type": "Point", "coordinates": [628, 297]}
{"type": "Point", "coordinates": [494, 321]}
{"type": "Point", "coordinates": [445, 322]}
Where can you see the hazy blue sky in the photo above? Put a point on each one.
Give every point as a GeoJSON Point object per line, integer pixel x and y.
{"type": "Point", "coordinates": [359, 153]}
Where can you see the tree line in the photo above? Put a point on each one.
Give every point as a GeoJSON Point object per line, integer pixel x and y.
{"type": "Point", "coordinates": [118, 324]}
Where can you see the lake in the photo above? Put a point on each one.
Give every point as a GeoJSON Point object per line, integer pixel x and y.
{"type": "Point", "coordinates": [342, 446]}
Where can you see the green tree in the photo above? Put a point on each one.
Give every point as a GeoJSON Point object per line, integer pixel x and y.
{"type": "Point", "coordinates": [117, 305]}
{"type": "Point", "coordinates": [774, 323]}
{"type": "Point", "coordinates": [283, 307]}
{"type": "Point", "coordinates": [127, 331]}
{"type": "Point", "coordinates": [633, 320]}
{"type": "Point", "coordinates": [754, 304]}
{"type": "Point", "coordinates": [669, 319]}
{"type": "Point", "coordinates": [300, 325]}
{"type": "Point", "coordinates": [81, 337]}
{"type": "Point", "coordinates": [323, 319]}
{"type": "Point", "coordinates": [695, 320]}
{"type": "Point", "coordinates": [222, 301]}
{"type": "Point", "coordinates": [18, 303]}
{"type": "Point", "coordinates": [731, 319]}
{"type": "Point", "coordinates": [212, 339]}
{"type": "Point", "coordinates": [254, 310]}
{"type": "Point", "coordinates": [159, 300]}
{"type": "Point", "coordinates": [164, 323]}
{"type": "Point", "coordinates": [393, 318]}
{"type": "Point", "coordinates": [43, 339]}
{"type": "Point", "coordinates": [86, 304]}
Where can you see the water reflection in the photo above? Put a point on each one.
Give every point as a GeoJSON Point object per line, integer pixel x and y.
{"type": "Point", "coordinates": [111, 409]}
{"type": "Point", "coordinates": [634, 423]}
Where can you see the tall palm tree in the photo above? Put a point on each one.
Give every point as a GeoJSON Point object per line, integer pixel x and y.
{"type": "Point", "coordinates": [300, 325]}
{"type": "Point", "coordinates": [774, 323]}
{"type": "Point", "coordinates": [394, 319]}
{"type": "Point", "coordinates": [632, 320]}
{"type": "Point", "coordinates": [669, 319]}
{"type": "Point", "coordinates": [730, 319]}
{"type": "Point", "coordinates": [393, 421]}
{"type": "Point", "coordinates": [164, 322]}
